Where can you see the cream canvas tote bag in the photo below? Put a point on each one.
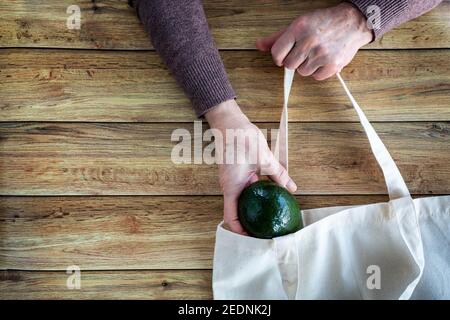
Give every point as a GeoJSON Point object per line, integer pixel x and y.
{"type": "Point", "coordinates": [394, 250]}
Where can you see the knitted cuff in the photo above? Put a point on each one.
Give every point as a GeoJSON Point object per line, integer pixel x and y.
{"type": "Point", "coordinates": [390, 12]}
{"type": "Point", "coordinates": [206, 83]}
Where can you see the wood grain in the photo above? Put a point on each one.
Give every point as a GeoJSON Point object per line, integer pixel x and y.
{"type": "Point", "coordinates": [67, 85]}
{"type": "Point", "coordinates": [96, 122]}
{"type": "Point", "coordinates": [107, 233]}
{"type": "Point", "coordinates": [129, 284]}
{"type": "Point", "coordinates": [111, 24]}
{"type": "Point", "coordinates": [127, 159]}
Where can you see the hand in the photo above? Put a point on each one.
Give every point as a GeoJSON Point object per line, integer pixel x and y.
{"type": "Point", "coordinates": [320, 43]}
{"type": "Point", "coordinates": [237, 175]}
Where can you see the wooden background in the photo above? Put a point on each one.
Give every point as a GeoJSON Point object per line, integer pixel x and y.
{"type": "Point", "coordinates": [86, 117]}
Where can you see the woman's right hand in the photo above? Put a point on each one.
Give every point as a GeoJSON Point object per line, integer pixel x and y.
{"type": "Point", "coordinates": [235, 134]}
{"type": "Point", "coordinates": [320, 43]}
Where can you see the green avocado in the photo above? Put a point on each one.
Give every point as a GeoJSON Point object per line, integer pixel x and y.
{"type": "Point", "coordinates": [267, 210]}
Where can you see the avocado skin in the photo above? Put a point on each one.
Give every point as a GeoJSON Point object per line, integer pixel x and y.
{"type": "Point", "coordinates": [267, 210]}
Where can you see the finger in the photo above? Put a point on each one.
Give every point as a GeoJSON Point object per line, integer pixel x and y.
{"type": "Point", "coordinates": [325, 72]}
{"type": "Point", "coordinates": [296, 57]}
{"type": "Point", "coordinates": [252, 179]}
{"type": "Point", "coordinates": [308, 67]}
{"type": "Point", "coordinates": [265, 44]}
{"type": "Point", "coordinates": [230, 208]}
{"type": "Point", "coordinates": [226, 226]}
{"type": "Point", "coordinates": [236, 227]}
{"type": "Point", "coordinates": [280, 175]}
{"type": "Point", "coordinates": [282, 47]}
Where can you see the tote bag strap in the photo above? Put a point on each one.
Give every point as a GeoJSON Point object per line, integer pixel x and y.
{"type": "Point", "coordinates": [398, 191]}
{"type": "Point", "coordinates": [396, 186]}
{"type": "Point", "coordinates": [403, 205]}
{"type": "Point", "coordinates": [281, 144]}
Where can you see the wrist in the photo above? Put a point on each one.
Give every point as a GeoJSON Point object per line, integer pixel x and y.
{"type": "Point", "coordinates": [224, 114]}
{"type": "Point", "coordinates": [359, 21]}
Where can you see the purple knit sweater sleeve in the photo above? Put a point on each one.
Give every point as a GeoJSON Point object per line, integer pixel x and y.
{"type": "Point", "coordinates": [394, 12]}
{"type": "Point", "coordinates": [179, 32]}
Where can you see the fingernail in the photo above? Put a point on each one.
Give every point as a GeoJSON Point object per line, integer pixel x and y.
{"type": "Point", "coordinates": [291, 186]}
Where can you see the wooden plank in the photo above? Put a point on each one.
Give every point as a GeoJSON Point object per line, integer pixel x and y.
{"type": "Point", "coordinates": [111, 24]}
{"type": "Point", "coordinates": [129, 159]}
{"type": "Point", "coordinates": [60, 85]}
{"type": "Point", "coordinates": [109, 233]}
{"type": "Point", "coordinates": [129, 284]}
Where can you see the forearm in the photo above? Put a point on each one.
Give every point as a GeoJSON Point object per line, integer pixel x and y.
{"type": "Point", "coordinates": [179, 32]}
{"type": "Point", "coordinates": [394, 12]}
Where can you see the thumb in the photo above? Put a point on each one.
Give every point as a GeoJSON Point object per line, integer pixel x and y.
{"type": "Point", "coordinates": [265, 44]}
{"type": "Point", "coordinates": [278, 174]}
{"type": "Point", "coordinates": [252, 179]}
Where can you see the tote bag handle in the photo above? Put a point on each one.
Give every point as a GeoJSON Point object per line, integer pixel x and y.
{"type": "Point", "coordinates": [403, 205]}
{"type": "Point", "coordinates": [396, 186]}
{"type": "Point", "coordinates": [407, 217]}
